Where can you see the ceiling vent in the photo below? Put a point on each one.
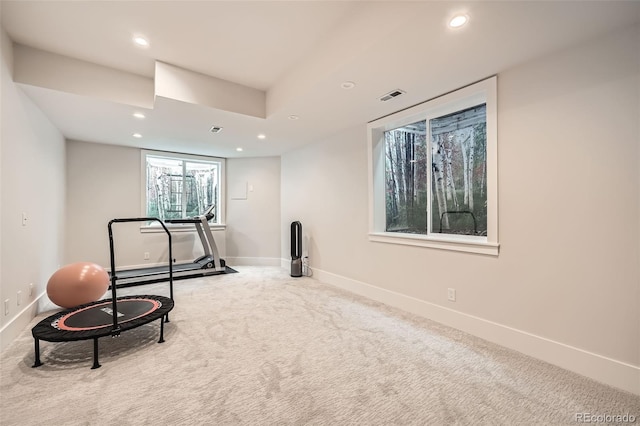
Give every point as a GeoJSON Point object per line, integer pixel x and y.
{"type": "Point", "coordinates": [392, 94]}
{"type": "Point", "coordinates": [215, 129]}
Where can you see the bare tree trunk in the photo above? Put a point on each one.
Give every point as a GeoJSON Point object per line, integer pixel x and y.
{"type": "Point", "coordinates": [471, 158]}
{"type": "Point", "coordinates": [465, 167]}
{"type": "Point", "coordinates": [391, 181]}
{"type": "Point", "coordinates": [398, 157]}
{"type": "Point", "coordinates": [407, 144]}
{"type": "Point", "coordinates": [450, 181]}
{"type": "Point", "coordinates": [199, 191]}
{"type": "Point", "coordinates": [483, 177]}
{"type": "Point", "coordinates": [162, 189]}
{"type": "Point", "coordinates": [414, 170]}
{"type": "Point", "coordinates": [438, 179]}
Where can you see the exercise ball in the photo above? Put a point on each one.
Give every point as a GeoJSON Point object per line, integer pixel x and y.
{"type": "Point", "coordinates": [77, 283]}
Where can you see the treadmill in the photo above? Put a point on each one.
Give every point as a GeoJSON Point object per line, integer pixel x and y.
{"type": "Point", "coordinates": [207, 264]}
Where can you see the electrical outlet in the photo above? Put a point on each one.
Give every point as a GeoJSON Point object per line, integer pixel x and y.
{"type": "Point", "coordinates": [6, 307]}
{"type": "Point", "coordinates": [19, 298]}
{"type": "Point", "coordinates": [451, 294]}
{"type": "Point", "coordinates": [30, 289]}
{"type": "Point", "coordinates": [146, 255]}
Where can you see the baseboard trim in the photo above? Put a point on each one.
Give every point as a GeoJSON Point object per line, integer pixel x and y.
{"type": "Point", "coordinates": [597, 367]}
{"type": "Point", "coordinates": [17, 324]}
{"type": "Point", "coordinates": [253, 261]}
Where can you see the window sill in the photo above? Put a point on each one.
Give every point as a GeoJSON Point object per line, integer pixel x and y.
{"type": "Point", "coordinates": [454, 243]}
{"type": "Point", "coordinates": [155, 228]}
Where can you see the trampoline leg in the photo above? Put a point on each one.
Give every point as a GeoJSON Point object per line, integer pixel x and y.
{"type": "Point", "coordinates": [161, 331]}
{"type": "Point", "coordinates": [167, 318]}
{"type": "Point", "coordinates": [95, 354]}
{"type": "Point", "coordinates": [37, 362]}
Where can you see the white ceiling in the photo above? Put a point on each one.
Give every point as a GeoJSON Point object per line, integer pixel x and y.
{"type": "Point", "coordinates": [298, 52]}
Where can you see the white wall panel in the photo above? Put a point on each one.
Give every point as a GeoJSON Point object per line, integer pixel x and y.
{"type": "Point", "coordinates": [253, 209]}
{"type": "Point", "coordinates": [568, 271]}
{"type": "Point", "coordinates": [32, 206]}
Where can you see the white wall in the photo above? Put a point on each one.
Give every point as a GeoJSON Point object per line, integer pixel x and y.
{"type": "Point", "coordinates": [37, 67]}
{"type": "Point", "coordinates": [32, 183]}
{"type": "Point", "coordinates": [180, 84]}
{"type": "Point", "coordinates": [566, 285]}
{"type": "Point", "coordinates": [253, 223]}
{"type": "Point", "coordinates": [104, 183]}
{"type": "Point", "coordinates": [324, 186]}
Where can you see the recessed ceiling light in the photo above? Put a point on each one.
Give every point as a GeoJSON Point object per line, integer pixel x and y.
{"type": "Point", "coordinates": [261, 136]}
{"type": "Point", "coordinates": [346, 85]}
{"type": "Point", "coordinates": [137, 135]}
{"type": "Point", "coordinates": [215, 129]}
{"type": "Point", "coordinates": [293, 117]}
{"type": "Point", "coordinates": [458, 21]}
{"type": "Point", "coordinates": [138, 115]}
{"type": "Point", "coordinates": [141, 41]}
{"type": "Point", "coordinates": [239, 149]}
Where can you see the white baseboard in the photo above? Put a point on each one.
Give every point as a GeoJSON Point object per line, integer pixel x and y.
{"type": "Point", "coordinates": [252, 261]}
{"type": "Point", "coordinates": [17, 324]}
{"type": "Point", "coordinates": [600, 368]}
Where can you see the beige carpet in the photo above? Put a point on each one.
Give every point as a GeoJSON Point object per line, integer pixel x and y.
{"type": "Point", "coordinates": [261, 348]}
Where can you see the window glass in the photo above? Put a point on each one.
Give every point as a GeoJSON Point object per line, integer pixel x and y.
{"type": "Point", "coordinates": [180, 188]}
{"type": "Point", "coordinates": [433, 172]}
{"type": "Point", "coordinates": [459, 172]}
{"type": "Point", "coordinates": [406, 178]}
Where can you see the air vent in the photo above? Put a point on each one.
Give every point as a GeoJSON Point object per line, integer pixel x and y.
{"type": "Point", "coordinates": [215, 129]}
{"type": "Point", "coordinates": [392, 94]}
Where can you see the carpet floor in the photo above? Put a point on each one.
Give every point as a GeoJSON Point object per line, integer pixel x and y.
{"type": "Point", "coordinates": [261, 348]}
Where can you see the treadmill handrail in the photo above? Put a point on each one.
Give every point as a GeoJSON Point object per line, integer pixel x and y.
{"type": "Point", "coordinates": [116, 328]}
{"type": "Point", "coordinates": [209, 213]}
{"type": "Point", "coordinates": [200, 225]}
{"type": "Point", "coordinates": [188, 220]}
{"type": "Point", "coordinates": [203, 228]}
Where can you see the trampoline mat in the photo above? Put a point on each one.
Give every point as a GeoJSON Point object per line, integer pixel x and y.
{"type": "Point", "coordinates": [101, 315]}
{"type": "Point", "coordinates": [95, 319]}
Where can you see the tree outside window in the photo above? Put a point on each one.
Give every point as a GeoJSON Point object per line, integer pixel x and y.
{"type": "Point", "coordinates": [457, 176]}
{"type": "Point", "coordinates": [406, 178]}
{"type": "Point", "coordinates": [433, 173]}
{"type": "Point", "coordinates": [179, 188]}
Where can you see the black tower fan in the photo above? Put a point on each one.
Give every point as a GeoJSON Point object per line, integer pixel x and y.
{"type": "Point", "coordinates": [296, 249]}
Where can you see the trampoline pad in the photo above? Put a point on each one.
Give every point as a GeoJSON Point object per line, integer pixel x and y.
{"type": "Point", "coordinates": [95, 319]}
{"type": "Point", "coordinates": [101, 315]}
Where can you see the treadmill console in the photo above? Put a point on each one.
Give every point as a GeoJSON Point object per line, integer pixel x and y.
{"type": "Point", "coordinates": [210, 212]}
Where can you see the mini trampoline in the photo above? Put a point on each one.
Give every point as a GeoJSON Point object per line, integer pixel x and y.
{"type": "Point", "coordinates": [107, 317]}
{"type": "Point", "coordinates": [94, 320]}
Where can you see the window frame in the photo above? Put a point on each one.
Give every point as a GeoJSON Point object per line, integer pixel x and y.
{"type": "Point", "coordinates": [178, 227]}
{"type": "Point", "coordinates": [484, 91]}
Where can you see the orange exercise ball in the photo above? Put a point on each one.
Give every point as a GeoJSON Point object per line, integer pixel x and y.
{"type": "Point", "coordinates": [77, 283]}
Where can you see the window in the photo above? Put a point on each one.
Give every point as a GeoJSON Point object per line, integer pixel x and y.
{"type": "Point", "coordinates": [179, 186]}
{"type": "Point", "coordinates": [433, 173]}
